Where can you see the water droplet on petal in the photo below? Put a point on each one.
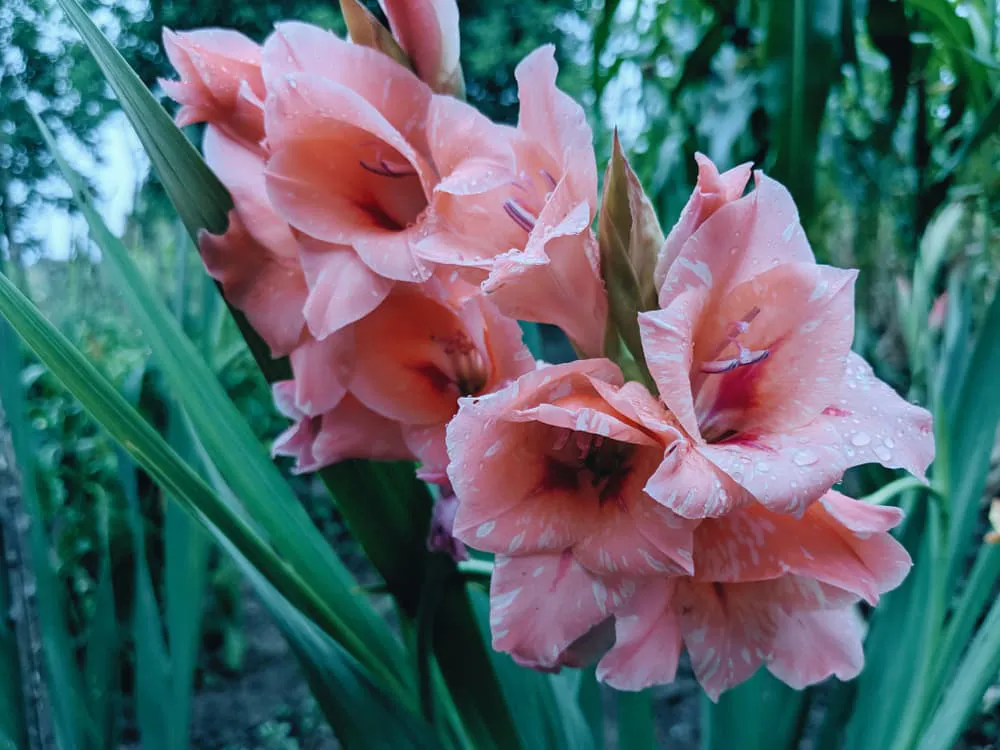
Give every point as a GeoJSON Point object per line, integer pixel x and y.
{"type": "Point", "coordinates": [883, 453]}
{"type": "Point", "coordinates": [860, 438]}
{"type": "Point", "coordinates": [805, 458]}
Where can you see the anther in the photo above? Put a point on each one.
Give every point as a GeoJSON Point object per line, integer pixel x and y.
{"type": "Point", "coordinates": [521, 216]}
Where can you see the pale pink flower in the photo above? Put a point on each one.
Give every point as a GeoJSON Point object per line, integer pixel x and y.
{"type": "Point", "coordinates": [427, 30]}
{"type": "Point", "coordinates": [220, 83]}
{"type": "Point", "coordinates": [751, 354]}
{"type": "Point", "coordinates": [257, 259]}
{"type": "Point", "coordinates": [514, 208]}
{"type": "Point", "coordinates": [557, 462]}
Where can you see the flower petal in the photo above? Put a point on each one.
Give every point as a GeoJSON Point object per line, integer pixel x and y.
{"type": "Point", "coordinates": [811, 646]}
{"type": "Point", "coordinates": [648, 640]}
{"type": "Point", "coordinates": [540, 604]}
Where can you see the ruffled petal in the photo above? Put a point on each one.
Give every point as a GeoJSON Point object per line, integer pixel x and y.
{"type": "Point", "coordinates": [811, 646]}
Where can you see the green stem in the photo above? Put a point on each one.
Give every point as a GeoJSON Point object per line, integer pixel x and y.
{"type": "Point", "coordinates": [887, 493]}
{"type": "Point", "coordinates": [476, 567]}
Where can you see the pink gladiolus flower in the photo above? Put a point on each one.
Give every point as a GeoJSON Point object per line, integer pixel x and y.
{"type": "Point", "coordinates": [220, 81]}
{"type": "Point", "coordinates": [257, 259]}
{"type": "Point", "coordinates": [751, 354]}
{"type": "Point", "coordinates": [427, 30]}
{"type": "Point", "coordinates": [556, 462]}
{"type": "Point", "coordinates": [349, 164]}
{"type": "Point", "coordinates": [514, 207]}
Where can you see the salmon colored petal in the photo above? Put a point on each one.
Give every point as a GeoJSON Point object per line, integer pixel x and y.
{"type": "Point", "coordinates": [727, 635]}
{"type": "Point", "coordinates": [711, 193]}
{"type": "Point", "coordinates": [415, 356]}
{"type": "Point", "coordinates": [220, 82]}
{"type": "Point", "coordinates": [427, 443]}
{"type": "Point", "coordinates": [859, 517]}
{"type": "Point", "coordinates": [811, 646]}
{"type": "Point", "coordinates": [740, 240]}
{"type": "Point", "coordinates": [269, 289]}
{"type": "Point", "coordinates": [668, 345]}
{"type": "Point", "coordinates": [876, 425]}
{"type": "Point", "coordinates": [472, 154]}
{"type": "Point", "coordinates": [800, 319]}
{"type": "Point", "coordinates": [541, 604]}
{"type": "Point", "coordinates": [298, 442]}
{"type": "Point", "coordinates": [648, 640]}
{"type": "Point", "coordinates": [322, 371]}
{"type": "Point", "coordinates": [638, 405]}
{"type": "Point", "coordinates": [353, 431]}
{"type": "Point", "coordinates": [692, 486]}
{"type": "Point", "coordinates": [556, 278]}
{"type": "Point", "coordinates": [427, 30]}
{"type": "Point", "coordinates": [324, 179]}
{"type": "Point", "coordinates": [396, 93]}
{"type": "Point", "coordinates": [584, 419]}
{"type": "Point", "coordinates": [342, 289]}
{"type": "Point", "coordinates": [755, 544]}
{"type": "Point", "coordinates": [554, 119]}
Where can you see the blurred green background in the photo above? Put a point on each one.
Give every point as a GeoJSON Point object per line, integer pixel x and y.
{"type": "Point", "coordinates": [880, 116]}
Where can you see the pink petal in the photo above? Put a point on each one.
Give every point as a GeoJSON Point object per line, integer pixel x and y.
{"type": "Point", "coordinates": [668, 345]}
{"type": "Point", "coordinates": [811, 646]}
{"type": "Point", "coordinates": [740, 240]}
{"type": "Point", "coordinates": [692, 486]}
{"type": "Point", "coordinates": [322, 136]}
{"type": "Point", "coordinates": [728, 635]}
{"type": "Point", "coordinates": [711, 193]}
{"type": "Point", "coordinates": [556, 278]}
{"type": "Point", "coordinates": [353, 431]}
{"type": "Point", "coordinates": [398, 95]}
{"type": "Point", "coordinates": [802, 316]}
{"type": "Point", "coordinates": [540, 604]}
{"type": "Point", "coordinates": [427, 443]}
{"type": "Point", "coordinates": [427, 30]}
{"type": "Point", "coordinates": [216, 67]}
{"type": "Point", "coordinates": [876, 425]}
{"type": "Point", "coordinates": [555, 120]}
{"type": "Point", "coordinates": [755, 544]}
{"type": "Point", "coordinates": [472, 154]}
{"type": "Point", "coordinates": [342, 289]}
{"type": "Point", "coordinates": [648, 640]}
{"type": "Point", "coordinates": [322, 371]}
{"type": "Point", "coordinates": [268, 288]}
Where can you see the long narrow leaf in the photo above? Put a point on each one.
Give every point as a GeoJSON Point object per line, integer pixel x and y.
{"type": "Point", "coordinates": [165, 467]}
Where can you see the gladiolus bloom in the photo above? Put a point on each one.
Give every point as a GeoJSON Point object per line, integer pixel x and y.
{"type": "Point", "coordinates": [751, 354]}
{"type": "Point", "coordinates": [516, 216]}
{"type": "Point", "coordinates": [557, 462]}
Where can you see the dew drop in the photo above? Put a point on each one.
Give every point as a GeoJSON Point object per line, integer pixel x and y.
{"type": "Point", "coordinates": [883, 453]}
{"type": "Point", "coordinates": [805, 458]}
{"type": "Point", "coordinates": [860, 438]}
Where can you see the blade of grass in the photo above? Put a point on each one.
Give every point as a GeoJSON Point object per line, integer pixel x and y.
{"type": "Point", "coordinates": [979, 667]}
{"type": "Point", "coordinates": [13, 730]}
{"type": "Point", "coordinates": [635, 719]}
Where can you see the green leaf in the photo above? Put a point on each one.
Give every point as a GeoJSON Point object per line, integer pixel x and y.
{"type": "Point", "coordinates": [761, 714]}
{"type": "Point", "coordinates": [546, 708]}
{"type": "Point", "coordinates": [635, 720]}
{"type": "Point", "coordinates": [102, 662]}
{"type": "Point", "coordinates": [244, 465]}
{"type": "Point", "coordinates": [977, 670]}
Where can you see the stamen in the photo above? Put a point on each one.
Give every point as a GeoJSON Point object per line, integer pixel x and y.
{"type": "Point", "coordinates": [470, 372]}
{"type": "Point", "coordinates": [521, 216]}
{"type": "Point", "coordinates": [549, 179]}
{"type": "Point", "coordinates": [744, 356]}
{"type": "Point", "coordinates": [386, 168]}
